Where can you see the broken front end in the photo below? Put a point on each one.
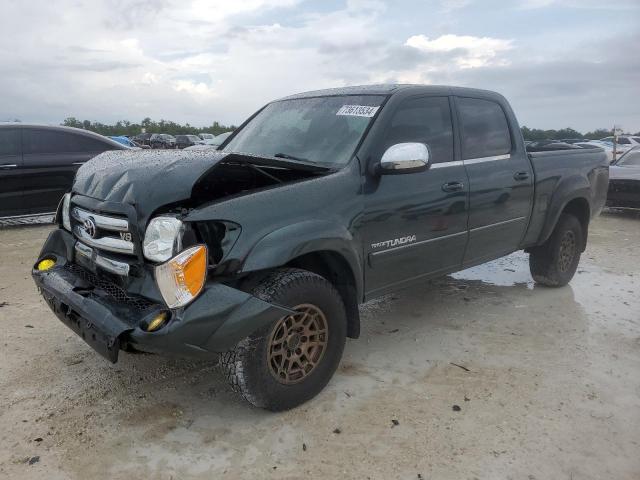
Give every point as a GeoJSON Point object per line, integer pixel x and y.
{"type": "Point", "coordinates": [160, 290]}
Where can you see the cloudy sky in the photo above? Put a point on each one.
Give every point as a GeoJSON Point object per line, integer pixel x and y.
{"type": "Point", "coordinates": [560, 62]}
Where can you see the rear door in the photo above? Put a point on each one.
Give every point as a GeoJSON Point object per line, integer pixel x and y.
{"type": "Point", "coordinates": [51, 159]}
{"type": "Point", "coordinates": [11, 184]}
{"type": "Point", "coordinates": [415, 225]}
{"type": "Point", "coordinates": [500, 180]}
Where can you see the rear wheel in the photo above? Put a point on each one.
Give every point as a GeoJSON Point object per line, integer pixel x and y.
{"type": "Point", "coordinates": [289, 361]}
{"type": "Point", "coordinates": [555, 262]}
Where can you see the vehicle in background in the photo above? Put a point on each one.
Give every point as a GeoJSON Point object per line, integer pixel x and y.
{"type": "Point", "coordinates": [571, 140]}
{"type": "Point", "coordinates": [549, 145]}
{"type": "Point", "coordinates": [202, 146]}
{"type": "Point", "coordinates": [623, 142]}
{"type": "Point", "coordinates": [607, 147]}
{"type": "Point", "coordinates": [217, 139]}
{"type": "Point", "coordinates": [162, 140]}
{"type": "Point", "coordinates": [320, 201]}
{"type": "Point", "coordinates": [631, 140]}
{"type": "Point", "coordinates": [183, 141]}
{"type": "Point", "coordinates": [621, 146]}
{"type": "Point", "coordinates": [143, 139]}
{"type": "Point", "coordinates": [220, 139]}
{"type": "Point", "coordinates": [38, 163]}
{"type": "Point", "coordinates": [206, 136]}
{"type": "Point", "coordinates": [127, 142]}
{"type": "Point", "coordinates": [624, 180]}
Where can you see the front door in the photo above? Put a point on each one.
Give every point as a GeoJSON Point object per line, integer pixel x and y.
{"type": "Point", "coordinates": [11, 184]}
{"type": "Point", "coordinates": [500, 180]}
{"type": "Point", "coordinates": [415, 225]}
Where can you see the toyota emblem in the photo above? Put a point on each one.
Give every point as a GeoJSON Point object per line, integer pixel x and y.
{"type": "Point", "coordinates": [90, 227]}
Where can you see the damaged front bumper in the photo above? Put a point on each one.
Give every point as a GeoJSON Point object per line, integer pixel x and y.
{"type": "Point", "coordinates": [109, 319]}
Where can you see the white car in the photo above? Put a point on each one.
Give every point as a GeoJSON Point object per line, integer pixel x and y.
{"type": "Point", "coordinates": [624, 142]}
{"type": "Point", "coordinates": [607, 147]}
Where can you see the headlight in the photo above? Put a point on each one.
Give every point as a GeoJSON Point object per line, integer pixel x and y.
{"type": "Point", "coordinates": [66, 203]}
{"type": "Point", "coordinates": [162, 238]}
{"type": "Point", "coordinates": [181, 279]}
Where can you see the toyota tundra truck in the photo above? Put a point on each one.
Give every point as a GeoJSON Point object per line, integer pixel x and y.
{"type": "Point", "coordinates": [258, 254]}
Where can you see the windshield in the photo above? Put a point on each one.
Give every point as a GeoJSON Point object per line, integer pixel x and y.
{"type": "Point", "coordinates": [322, 130]}
{"type": "Point", "coordinates": [630, 159]}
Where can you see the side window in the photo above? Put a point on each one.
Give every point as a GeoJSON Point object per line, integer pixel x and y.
{"type": "Point", "coordinates": [425, 120]}
{"type": "Point", "coordinates": [80, 143]}
{"type": "Point", "coordinates": [624, 141]}
{"type": "Point", "coordinates": [45, 141]}
{"type": "Point", "coordinates": [53, 141]}
{"type": "Point", "coordinates": [9, 141]}
{"type": "Point", "coordinates": [483, 128]}
{"type": "Point", "coordinates": [631, 159]}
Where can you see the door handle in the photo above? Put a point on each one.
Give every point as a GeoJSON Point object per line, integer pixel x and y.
{"type": "Point", "coordinates": [8, 166]}
{"type": "Point", "coordinates": [453, 187]}
{"type": "Point", "coordinates": [520, 176]}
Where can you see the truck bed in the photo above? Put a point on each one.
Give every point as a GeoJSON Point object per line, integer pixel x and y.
{"type": "Point", "coordinates": [555, 173]}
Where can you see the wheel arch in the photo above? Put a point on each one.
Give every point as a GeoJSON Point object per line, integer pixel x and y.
{"type": "Point", "coordinates": [576, 204]}
{"type": "Point", "coordinates": [322, 247]}
{"type": "Point", "coordinates": [335, 268]}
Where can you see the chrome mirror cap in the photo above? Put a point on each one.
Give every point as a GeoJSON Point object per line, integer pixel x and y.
{"type": "Point", "coordinates": [405, 158]}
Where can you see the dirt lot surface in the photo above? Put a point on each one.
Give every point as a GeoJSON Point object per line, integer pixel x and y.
{"type": "Point", "coordinates": [479, 375]}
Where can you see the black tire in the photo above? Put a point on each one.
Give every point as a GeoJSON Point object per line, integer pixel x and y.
{"type": "Point", "coordinates": [555, 262]}
{"type": "Point", "coordinates": [249, 367]}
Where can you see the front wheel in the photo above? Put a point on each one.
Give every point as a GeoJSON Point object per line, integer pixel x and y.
{"type": "Point", "coordinates": [555, 262]}
{"type": "Point", "coordinates": [289, 361]}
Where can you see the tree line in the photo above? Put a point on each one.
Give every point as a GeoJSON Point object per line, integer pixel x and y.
{"type": "Point", "coordinates": [125, 127]}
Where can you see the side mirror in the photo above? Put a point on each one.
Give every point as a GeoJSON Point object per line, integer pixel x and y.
{"type": "Point", "coordinates": [405, 158]}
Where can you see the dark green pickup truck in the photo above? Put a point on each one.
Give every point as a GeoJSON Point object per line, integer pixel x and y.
{"type": "Point", "coordinates": [261, 252]}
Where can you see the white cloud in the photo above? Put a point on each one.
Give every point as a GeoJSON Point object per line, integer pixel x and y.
{"type": "Point", "coordinates": [197, 61]}
{"type": "Point", "coordinates": [475, 51]}
{"type": "Point", "coordinates": [581, 4]}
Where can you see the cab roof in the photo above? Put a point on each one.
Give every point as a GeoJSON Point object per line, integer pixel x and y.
{"type": "Point", "coordinates": [391, 88]}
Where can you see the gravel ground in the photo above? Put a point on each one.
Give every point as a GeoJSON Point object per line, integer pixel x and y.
{"type": "Point", "coordinates": [480, 375]}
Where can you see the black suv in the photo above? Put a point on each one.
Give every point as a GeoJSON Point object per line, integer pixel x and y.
{"type": "Point", "coordinates": [162, 140]}
{"type": "Point", "coordinates": [143, 139]}
{"type": "Point", "coordinates": [183, 141]}
{"type": "Point", "coordinates": [38, 163]}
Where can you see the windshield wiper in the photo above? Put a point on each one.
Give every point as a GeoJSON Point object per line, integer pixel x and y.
{"type": "Point", "coordinates": [290, 157]}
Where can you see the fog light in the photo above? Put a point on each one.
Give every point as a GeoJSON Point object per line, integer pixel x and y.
{"type": "Point", "coordinates": [46, 264]}
{"type": "Point", "coordinates": [157, 322]}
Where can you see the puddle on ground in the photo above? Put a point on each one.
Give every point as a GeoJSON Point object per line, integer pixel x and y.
{"type": "Point", "coordinates": [508, 271]}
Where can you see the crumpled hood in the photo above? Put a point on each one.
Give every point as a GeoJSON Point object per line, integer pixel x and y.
{"type": "Point", "coordinates": [150, 179]}
{"type": "Point", "coordinates": [144, 178]}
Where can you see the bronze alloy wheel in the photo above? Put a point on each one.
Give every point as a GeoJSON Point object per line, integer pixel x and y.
{"type": "Point", "coordinates": [567, 251]}
{"type": "Point", "coordinates": [297, 344]}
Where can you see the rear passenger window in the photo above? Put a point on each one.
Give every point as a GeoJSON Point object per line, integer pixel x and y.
{"type": "Point", "coordinates": [425, 120]}
{"type": "Point", "coordinates": [484, 128]}
{"type": "Point", "coordinates": [9, 141]}
{"type": "Point", "coordinates": [52, 141]}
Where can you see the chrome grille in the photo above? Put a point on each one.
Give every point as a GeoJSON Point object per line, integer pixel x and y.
{"type": "Point", "coordinates": [97, 233]}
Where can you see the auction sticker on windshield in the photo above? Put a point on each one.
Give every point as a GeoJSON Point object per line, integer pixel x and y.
{"type": "Point", "coordinates": [357, 110]}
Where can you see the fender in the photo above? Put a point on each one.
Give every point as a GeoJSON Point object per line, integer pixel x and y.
{"type": "Point", "coordinates": [284, 244]}
{"type": "Point", "coordinates": [568, 189]}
